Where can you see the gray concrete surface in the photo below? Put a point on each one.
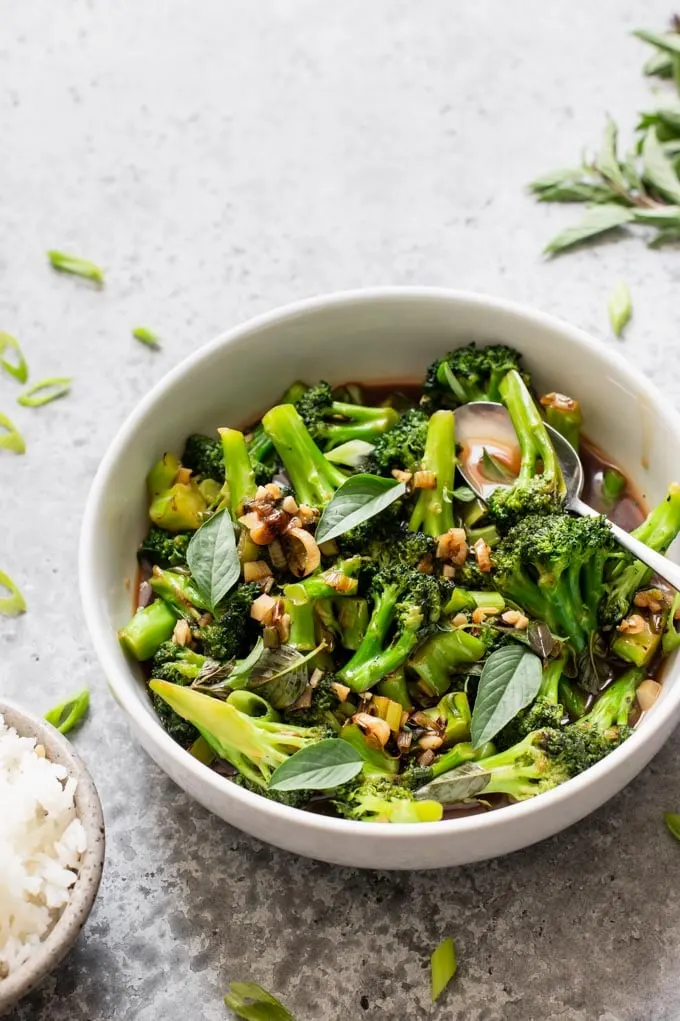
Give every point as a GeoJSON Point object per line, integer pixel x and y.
{"type": "Point", "coordinates": [218, 159]}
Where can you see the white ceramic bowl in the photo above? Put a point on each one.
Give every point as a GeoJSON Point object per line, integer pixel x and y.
{"type": "Point", "coordinates": [383, 335]}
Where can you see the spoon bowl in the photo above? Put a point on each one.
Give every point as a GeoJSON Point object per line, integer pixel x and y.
{"type": "Point", "coordinates": [486, 426]}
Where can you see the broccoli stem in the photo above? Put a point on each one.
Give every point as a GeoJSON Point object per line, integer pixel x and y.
{"type": "Point", "coordinates": [640, 648]}
{"type": "Point", "coordinates": [394, 687]}
{"type": "Point", "coordinates": [550, 682]}
{"type": "Point", "coordinates": [151, 625]}
{"type": "Point", "coordinates": [363, 423]}
{"type": "Point", "coordinates": [532, 436]}
{"type": "Point", "coordinates": [614, 705]}
{"type": "Point", "coordinates": [657, 531]}
{"type": "Point", "coordinates": [564, 415]}
{"type": "Point", "coordinates": [371, 661]}
{"type": "Point", "coordinates": [463, 599]}
{"type": "Point", "coordinates": [179, 591]}
{"type": "Point", "coordinates": [301, 610]}
{"type": "Point", "coordinates": [352, 618]}
{"type": "Point", "coordinates": [260, 446]}
{"type": "Point", "coordinates": [377, 762]}
{"type": "Point", "coordinates": [238, 470]}
{"type": "Point", "coordinates": [612, 487]}
{"type": "Point", "coordinates": [454, 710]}
{"type": "Point", "coordinates": [312, 475]}
{"type": "Point", "coordinates": [327, 584]}
{"type": "Point", "coordinates": [671, 638]}
{"type": "Point", "coordinates": [572, 698]}
{"type": "Point", "coordinates": [433, 511]}
{"type": "Point", "coordinates": [162, 475]}
{"type": "Point", "coordinates": [440, 656]}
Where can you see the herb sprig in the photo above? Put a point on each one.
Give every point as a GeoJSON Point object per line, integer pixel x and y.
{"type": "Point", "coordinates": [640, 187]}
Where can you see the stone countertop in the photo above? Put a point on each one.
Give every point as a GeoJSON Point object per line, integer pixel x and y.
{"type": "Point", "coordinates": [219, 159]}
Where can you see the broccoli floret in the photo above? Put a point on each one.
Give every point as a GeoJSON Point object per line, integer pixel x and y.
{"type": "Point", "coordinates": [166, 548]}
{"type": "Point", "coordinates": [402, 447]}
{"type": "Point", "coordinates": [564, 414]}
{"type": "Point", "coordinates": [323, 708]}
{"type": "Point", "coordinates": [293, 799]}
{"type": "Point", "coordinates": [180, 730]}
{"type": "Point", "coordinates": [229, 634]}
{"type": "Point", "coordinates": [203, 456]}
{"type": "Point", "coordinates": [332, 422]}
{"type": "Point", "coordinates": [624, 574]}
{"type": "Point", "coordinates": [313, 477]}
{"type": "Point", "coordinates": [547, 757]}
{"type": "Point", "coordinates": [468, 374]}
{"type": "Point", "coordinates": [177, 664]}
{"type": "Point", "coordinates": [253, 745]}
{"type": "Point", "coordinates": [433, 510]}
{"type": "Point", "coordinates": [404, 601]}
{"type": "Point", "coordinates": [539, 488]}
{"type": "Point", "coordinates": [384, 801]}
{"type": "Point", "coordinates": [553, 567]}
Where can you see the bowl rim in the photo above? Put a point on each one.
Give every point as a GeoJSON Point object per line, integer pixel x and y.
{"type": "Point", "coordinates": [154, 733]}
{"type": "Point", "coordinates": [89, 810]}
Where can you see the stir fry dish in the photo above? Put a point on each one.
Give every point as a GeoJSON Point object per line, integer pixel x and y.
{"type": "Point", "coordinates": [329, 616]}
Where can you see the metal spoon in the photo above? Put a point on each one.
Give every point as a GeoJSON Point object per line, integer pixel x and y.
{"type": "Point", "coordinates": [484, 424]}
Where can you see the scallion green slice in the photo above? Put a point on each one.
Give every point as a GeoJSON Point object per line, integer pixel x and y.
{"type": "Point", "coordinates": [443, 966]}
{"type": "Point", "coordinates": [18, 367]}
{"type": "Point", "coordinates": [11, 439]}
{"type": "Point", "coordinates": [44, 392]}
{"type": "Point", "coordinates": [78, 267]}
{"type": "Point", "coordinates": [146, 336]}
{"type": "Point", "coordinates": [70, 713]}
{"type": "Point", "coordinates": [13, 604]}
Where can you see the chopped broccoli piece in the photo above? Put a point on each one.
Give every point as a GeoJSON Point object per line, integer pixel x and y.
{"type": "Point", "coordinates": [313, 477]}
{"type": "Point", "coordinates": [402, 447]}
{"type": "Point", "coordinates": [433, 510]}
{"type": "Point", "coordinates": [331, 422]}
{"type": "Point", "coordinates": [166, 548]}
{"type": "Point", "coordinates": [203, 456]}
{"type": "Point", "coordinates": [384, 801]}
{"type": "Point", "coordinates": [468, 374]}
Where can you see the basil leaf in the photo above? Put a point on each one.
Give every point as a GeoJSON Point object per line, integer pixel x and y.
{"type": "Point", "coordinates": [672, 820]}
{"type": "Point", "coordinates": [494, 469]}
{"type": "Point", "coordinates": [659, 65]}
{"type": "Point", "coordinates": [541, 639]}
{"type": "Point", "coordinates": [467, 781]}
{"type": "Point", "coordinates": [281, 675]}
{"type": "Point", "coordinates": [251, 1002]}
{"type": "Point", "coordinates": [510, 681]}
{"type": "Point", "coordinates": [597, 220]}
{"type": "Point", "coordinates": [607, 161]}
{"type": "Point", "coordinates": [318, 767]}
{"type": "Point", "coordinates": [578, 191]}
{"type": "Point", "coordinates": [620, 307]}
{"type": "Point", "coordinates": [463, 494]}
{"type": "Point", "coordinates": [657, 168]}
{"type": "Point", "coordinates": [212, 558]}
{"type": "Point", "coordinates": [662, 216]}
{"type": "Point", "coordinates": [357, 500]}
{"type": "Point", "coordinates": [17, 367]}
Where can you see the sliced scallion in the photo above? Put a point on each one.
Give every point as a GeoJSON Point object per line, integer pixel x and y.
{"type": "Point", "coordinates": [44, 392]}
{"type": "Point", "coordinates": [70, 713]}
{"type": "Point", "coordinates": [13, 604]}
{"type": "Point", "coordinates": [11, 439]}
{"type": "Point", "coordinates": [78, 267]}
{"type": "Point", "coordinates": [145, 336]}
{"type": "Point", "coordinates": [17, 367]}
{"type": "Point", "coordinates": [443, 966]}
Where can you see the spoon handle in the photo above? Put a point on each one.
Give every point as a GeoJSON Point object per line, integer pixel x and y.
{"type": "Point", "coordinates": [661, 565]}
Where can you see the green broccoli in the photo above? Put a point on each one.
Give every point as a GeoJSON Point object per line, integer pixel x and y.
{"type": "Point", "coordinates": [203, 456]}
{"type": "Point", "coordinates": [625, 575]}
{"type": "Point", "coordinates": [564, 414]}
{"type": "Point", "coordinates": [553, 567]}
{"type": "Point", "coordinates": [260, 446]}
{"type": "Point", "coordinates": [433, 510]}
{"type": "Point", "coordinates": [313, 478]}
{"type": "Point", "coordinates": [468, 374]}
{"type": "Point", "coordinates": [230, 634]}
{"type": "Point", "coordinates": [408, 601]}
{"type": "Point", "coordinates": [539, 488]}
{"type": "Point", "coordinates": [166, 548]}
{"type": "Point", "coordinates": [331, 422]}
{"type": "Point", "coordinates": [384, 801]}
{"type": "Point", "coordinates": [445, 654]}
{"type": "Point", "coordinates": [402, 447]}
{"type": "Point", "coordinates": [253, 745]}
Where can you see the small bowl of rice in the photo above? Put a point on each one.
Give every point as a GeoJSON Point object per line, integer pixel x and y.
{"type": "Point", "coordinates": [51, 850]}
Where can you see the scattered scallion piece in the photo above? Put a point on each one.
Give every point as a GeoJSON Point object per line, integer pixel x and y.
{"type": "Point", "coordinates": [13, 604]}
{"type": "Point", "coordinates": [443, 967]}
{"type": "Point", "coordinates": [70, 713]}
{"type": "Point", "coordinates": [147, 337]}
{"type": "Point", "coordinates": [44, 392]}
{"type": "Point", "coordinates": [620, 307]}
{"type": "Point", "coordinates": [250, 1001]}
{"type": "Point", "coordinates": [11, 439]}
{"type": "Point", "coordinates": [672, 820]}
{"type": "Point", "coordinates": [18, 367]}
{"type": "Point", "coordinates": [78, 267]}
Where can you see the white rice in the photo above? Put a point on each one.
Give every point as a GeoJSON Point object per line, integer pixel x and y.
{"type": "Point", "coordinates": [41, 842]}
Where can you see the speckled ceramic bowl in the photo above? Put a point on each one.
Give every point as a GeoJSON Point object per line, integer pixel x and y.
{"type": "Point", "coordinates": [65, 932]}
